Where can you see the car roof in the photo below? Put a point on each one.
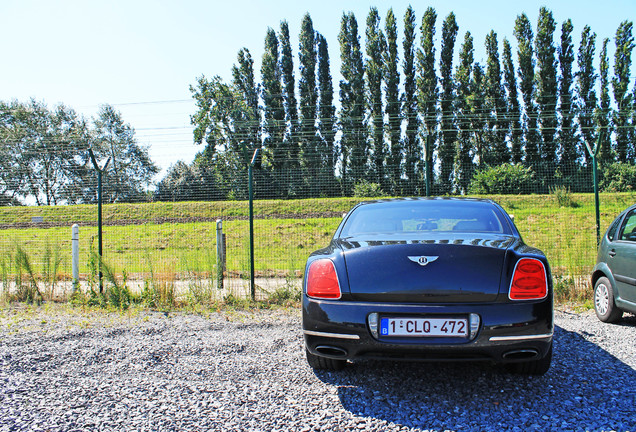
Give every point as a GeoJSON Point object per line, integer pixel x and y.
{"type": "Point", "coordinates": [448, 199]}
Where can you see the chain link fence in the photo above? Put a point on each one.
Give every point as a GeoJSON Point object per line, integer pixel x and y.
{"type": "Point", "coordinates": [166, 247]}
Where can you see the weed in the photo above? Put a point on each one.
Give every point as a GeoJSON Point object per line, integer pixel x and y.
{"type": "Point", "coordinates": [27, 291]}
{"type": "Point", "coordinates": [286, 295]}
{"type": "Point", "coordinates": [52, 262]}
{"type": "Point", "coordinates": [117, 294]}
{"type": "Point", "coordinates": [568, 289]}
{"type": "Point", "coordinates": [563, 196]}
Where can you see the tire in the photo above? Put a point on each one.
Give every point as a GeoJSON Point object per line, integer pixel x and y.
{"type": "Point", "coordinates": [604, 304]}
{"type": "Point", "coordinates": [324, 363]}
{"type": "Point", "coordinates": [533, 367]}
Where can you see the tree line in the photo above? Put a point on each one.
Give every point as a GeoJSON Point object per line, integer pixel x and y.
{"type": "Point", "coordinates": [44, 156]}
{"type": "Point", "coordinates": [411, 115]}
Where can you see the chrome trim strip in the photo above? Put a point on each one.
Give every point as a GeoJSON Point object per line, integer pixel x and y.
{"type": "Point", "coordinates": [521, 337]}
{"type": "Point", "coordinates": [332, 335]}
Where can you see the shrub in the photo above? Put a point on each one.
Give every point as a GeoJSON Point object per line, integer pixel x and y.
{"type": "Point", "coordinates": [618, 177]}
{"type": "Point", "coordinates": [366, 189]}
{"type": "Point", "coordinates": [563, 196]}
{"type": "Point", "coordinates": [503, 179]}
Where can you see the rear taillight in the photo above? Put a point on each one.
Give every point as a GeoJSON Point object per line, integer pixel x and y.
{"type": "Point", "coordinates": [322, 280]}
{"type": "Point", "coordinates": [529, 280]}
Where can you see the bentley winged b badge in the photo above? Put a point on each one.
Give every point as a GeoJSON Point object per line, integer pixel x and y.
{"type": "Point", "coordinates": [423, 260]}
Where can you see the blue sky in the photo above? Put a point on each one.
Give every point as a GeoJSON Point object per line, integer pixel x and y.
{"type": "Point", "coordinates": [141, 55]}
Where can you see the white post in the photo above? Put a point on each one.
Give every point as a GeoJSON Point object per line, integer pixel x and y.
{"type": "Point", "coordinates": [220, 255]}
{"type": "Point", "coordinates": [75, 246]}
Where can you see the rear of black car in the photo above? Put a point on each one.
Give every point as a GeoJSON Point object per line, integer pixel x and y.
{"type": "Point", "coordinates": [428, 279]}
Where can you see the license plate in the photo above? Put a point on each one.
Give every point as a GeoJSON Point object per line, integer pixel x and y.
{"type": "Point", "coordinates": [423, 327]}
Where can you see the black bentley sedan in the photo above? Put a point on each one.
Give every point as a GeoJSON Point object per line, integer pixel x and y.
{"type": "Point", "coordinates": [428, 279]}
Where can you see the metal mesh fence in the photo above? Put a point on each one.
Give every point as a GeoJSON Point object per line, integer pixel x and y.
{"type": "Point", "coordinates": [167, 244]}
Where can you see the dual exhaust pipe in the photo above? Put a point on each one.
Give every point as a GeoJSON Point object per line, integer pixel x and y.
{"type": "Point", "coordinates": [514, 355]}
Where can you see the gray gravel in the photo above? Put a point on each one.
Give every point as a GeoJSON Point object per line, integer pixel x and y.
{"type": "Point", "coordinates": [62, 370]}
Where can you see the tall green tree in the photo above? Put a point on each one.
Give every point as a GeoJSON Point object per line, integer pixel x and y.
{"type": "Point", "coordinates": [525, 53]}
{"type": "Point", "coordinates": [308, 99]}
{"type": "Point", "coordinates": [220, 116]}
{"type": "Point", "coordinates": [463, 156]}
{"type": "Point", "coordinates": [326, 117]}
{"type": "Point", "coordinates": [448, 135]}
{"type": "Point", "coordinates": [392, 105]}
{"type": "Point", "coordinates": [131, 170]}
{"type": "Point", "coordinates": [569, 150]}
{"type": "Point", "coordinates": [245, 83]}
{"type": "Point", "coordinates": [585, 89]}
{"type": "Point", "coordinates": [352, 101]}
{"type": "Point", "coordinates": [604, 111]}
{"type": "Point", "coordinates": [512, 102]}
{"type": "Point", "coordinates": [623, 99]}
{"type": "Point", "coordinates": [479, 116]}
{"type": "Point", "coordinates": [546, 88]}
{"type": "Point", "coordinates": [427, 89]}
{"type": "Point", "coordinates": [43, 153]}
{"type": "Point", "coordinates": [289, 98]}
{"type": "Point", "coordinates": [496, 148]}
{"type": "Point", "coordinates": [412, 148]}
{"type": "Point", "coordinates": [375, 47]}
{"type": "Point", "coordinates": [273, 103]}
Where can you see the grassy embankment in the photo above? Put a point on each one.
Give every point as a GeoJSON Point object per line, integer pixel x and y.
{"type": "Point", "coordinates": [185, 245]}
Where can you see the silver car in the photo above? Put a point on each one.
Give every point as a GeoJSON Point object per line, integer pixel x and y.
{"type": "Point", "coordinates": [614, 276]}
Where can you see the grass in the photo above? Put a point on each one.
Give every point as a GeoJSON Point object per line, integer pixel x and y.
{"type": "Point", "coordinates": [562, 224]}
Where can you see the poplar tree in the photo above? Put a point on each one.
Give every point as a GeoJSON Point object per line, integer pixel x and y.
{"type": "Point", "coordinates": [273, 104]}
{"type": "Point", "coordinates": [289, 97]}
{"type": "Point", "coordinates": [448, 136]}
{"type": "Point", "coordinates": [375, 46]}
{"type": "Point", "coordinates": [546, 88]}
{"type": "Point", "coordinates": [497, 148]}
{"type": "Point", "coordinates": [352, 101]}
{"type": "Point", "coordinates": [585, 89]}
{"type": "Point", "coordinates": [392, 105]}
{"type": "Point", "coordinates": [463, 154]}
{"type": "Point", "coordinates": [568, 145]}
{"type": "Point", "coordinates": [525, 54]}
{"type": "Point", "coordinates": [478, 115]}
{"type": "Point", "coordinates": [603, 112]}
{"type": "Point", "coordinates": [326, 117]}
{"type": "Point", "coordinates": [412, 149]}
{"type": "Point", "coordinates": [623, 99]}
{"type": "Point", "coordinates": [308, 99]}
{"type": "Point", "coordinates": [244, 82]}
{"type": "Point", "coordinates": [512, 105]}
{"type": "Point", "coordinates": [427, 84]}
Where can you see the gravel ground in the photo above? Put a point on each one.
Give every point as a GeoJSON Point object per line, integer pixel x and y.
{"type": "Point", "coordinates": [66, 370]}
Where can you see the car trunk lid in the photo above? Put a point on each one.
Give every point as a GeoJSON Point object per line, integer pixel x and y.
{"type": "Point", "coordinates": [459, 269]}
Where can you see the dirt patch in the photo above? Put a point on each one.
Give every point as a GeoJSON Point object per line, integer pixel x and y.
{"type": "Point", "coordinates": [165, 220]}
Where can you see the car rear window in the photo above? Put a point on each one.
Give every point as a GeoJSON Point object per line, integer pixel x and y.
{"type": "Point", "coordinates": [422, 216]}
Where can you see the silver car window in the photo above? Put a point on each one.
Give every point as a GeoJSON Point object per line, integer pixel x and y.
{"type": "Point", "coordinates": [628, 229]}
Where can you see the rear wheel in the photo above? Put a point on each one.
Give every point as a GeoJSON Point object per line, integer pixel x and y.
{"type": "Point", "coordinates": [604, 305]}
{"type": "Point", "coordinates": [324, 363]}
{"type": "Point", "coordinates": [533, 367]}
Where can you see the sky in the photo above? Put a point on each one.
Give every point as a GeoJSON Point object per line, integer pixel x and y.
{"type": "Point", "coordinates": [141, 56]}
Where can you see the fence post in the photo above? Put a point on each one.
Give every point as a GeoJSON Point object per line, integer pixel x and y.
{"type": "Point", "coordinates": [220, 254]}
{"type": "Point", "coordinates": [251, 193]}
{"type": "Point", "coordinates": [594, 153]}
{"type": "Point", "coordinates": [99, 211]}
{"type": "Point", "coordinates": [75, 249]}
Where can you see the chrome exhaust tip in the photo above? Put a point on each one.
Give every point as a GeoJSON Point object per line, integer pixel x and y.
{"type": "Point", "coordinates": [331, 351]}
{"type": "Point", "coordinates": [523, 354]}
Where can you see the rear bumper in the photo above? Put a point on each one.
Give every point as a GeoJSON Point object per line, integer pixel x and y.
{"type": "Point", "coordinates": [507, 333]}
